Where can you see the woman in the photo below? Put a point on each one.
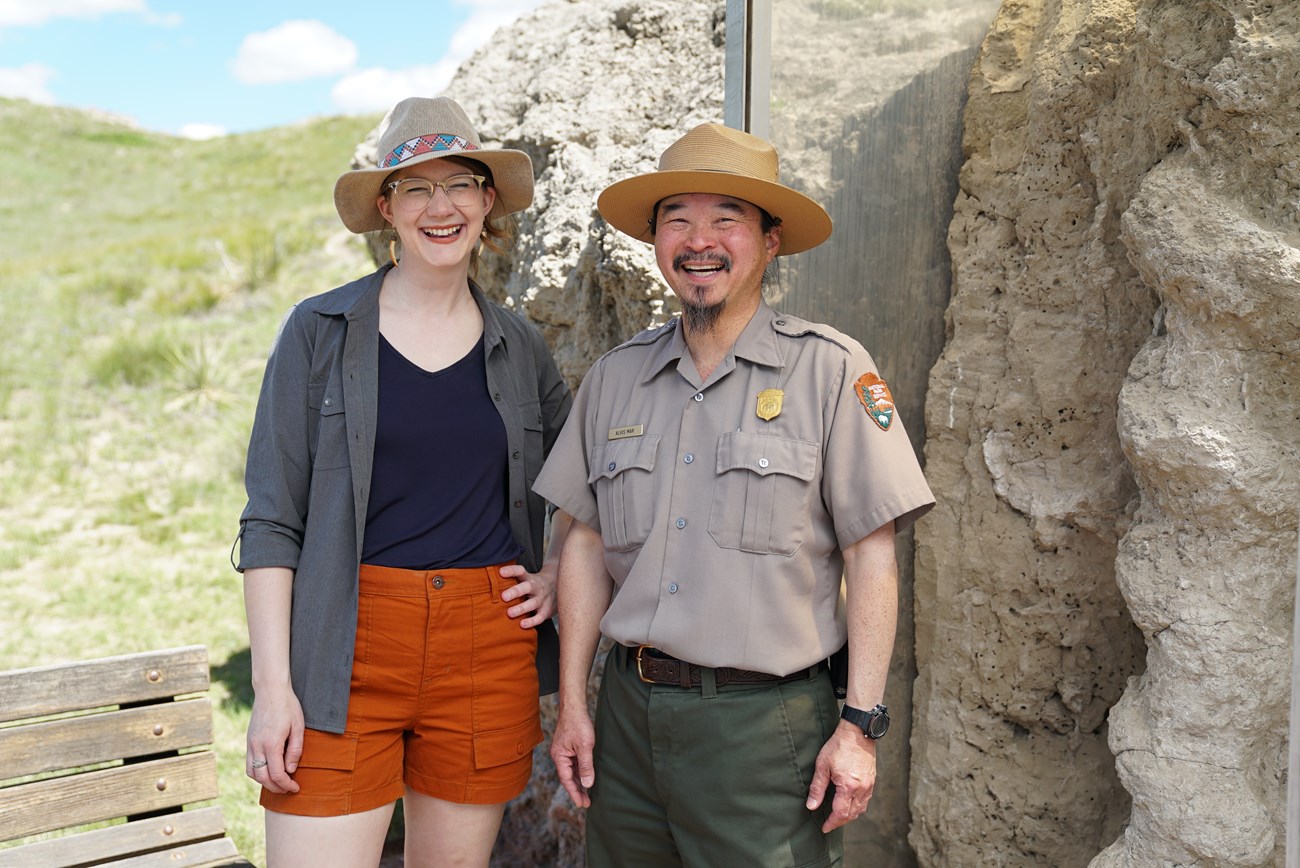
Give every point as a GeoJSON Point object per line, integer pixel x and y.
{"type": "Point", "coordinates": [392, 546]}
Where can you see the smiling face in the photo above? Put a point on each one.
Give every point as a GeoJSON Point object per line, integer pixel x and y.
{"type": "Point", "coordinates": [442, 235]}
{"type": "Point", "coordinates": [712, 250]}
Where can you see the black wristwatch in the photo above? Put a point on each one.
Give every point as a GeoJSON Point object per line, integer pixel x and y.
{"type": "Point", "coordinates": [873, 723]}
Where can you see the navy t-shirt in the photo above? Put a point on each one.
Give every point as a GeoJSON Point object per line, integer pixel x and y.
{"type": "Point", "coordinates": [438, 489]}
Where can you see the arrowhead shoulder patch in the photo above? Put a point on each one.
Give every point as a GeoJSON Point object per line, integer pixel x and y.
{"type": "Point", "coordinates": [874, 395]}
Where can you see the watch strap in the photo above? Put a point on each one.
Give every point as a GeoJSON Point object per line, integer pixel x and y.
{"type": "Point", "coordinates": [874, 723]}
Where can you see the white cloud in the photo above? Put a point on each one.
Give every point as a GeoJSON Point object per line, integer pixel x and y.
{"type": "Point", "coordinates": [27, 82]}
{"type": "Point", "coordinates": [33, 12]}
{"type": "Point", "coordinates": [200, 132]}
{"type": "Point", "coordinates": [484, 20]}
{"type": "Point", "coordinates": [378, 89]}
{"type": "Point", "coordinates": [293, 51]}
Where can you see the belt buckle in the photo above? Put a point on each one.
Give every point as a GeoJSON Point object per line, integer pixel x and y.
{"type": "Point", "coordinates": [639, 673]}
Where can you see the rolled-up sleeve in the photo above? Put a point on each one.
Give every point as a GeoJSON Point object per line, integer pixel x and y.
{"type": "Point", "coordinates": [277, 475]}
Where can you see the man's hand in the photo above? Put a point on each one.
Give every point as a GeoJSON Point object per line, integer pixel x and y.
{"type": "Point", "coordinates": [847, 760]}
{"type": "Point", "coordinates": [571, 748]}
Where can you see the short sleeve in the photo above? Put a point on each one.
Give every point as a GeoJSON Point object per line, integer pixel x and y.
{"type": "Point", "coordinates": [872, 475]}
{"type": "Point", "coordinates": [563, 480]}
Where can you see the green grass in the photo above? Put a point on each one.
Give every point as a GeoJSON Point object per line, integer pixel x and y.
{"type": "Point", "coordinates": [143, 277]}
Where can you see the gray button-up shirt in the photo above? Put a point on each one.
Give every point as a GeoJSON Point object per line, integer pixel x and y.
{"type": "Point", "coordinates": [725, 506]}
{"type": "Point", "coordinates": [309, 461]}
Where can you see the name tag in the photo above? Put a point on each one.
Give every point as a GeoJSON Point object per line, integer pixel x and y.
{"type": "Point", "coordinates": [626, 431]}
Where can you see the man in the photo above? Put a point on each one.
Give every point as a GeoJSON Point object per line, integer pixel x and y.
{"type": "Point", "coordinates": [727, 474]}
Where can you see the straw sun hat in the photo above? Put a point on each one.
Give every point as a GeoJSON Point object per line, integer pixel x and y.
{"type": "Point", "coordinates": [715, 159]}
{"type": "Point", "coordinates": [419, 129]}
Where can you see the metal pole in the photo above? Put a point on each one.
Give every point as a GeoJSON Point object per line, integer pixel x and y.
{"type": "Point", "coordinates": [736, 98]}
{"type": "Point", "coordinates": [748, 66]}
{"type": "Point", "coordinates": [760, 68]}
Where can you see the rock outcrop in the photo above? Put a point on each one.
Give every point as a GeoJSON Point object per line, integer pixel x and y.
{"type": "Point", "coordinates": [1115, 412]}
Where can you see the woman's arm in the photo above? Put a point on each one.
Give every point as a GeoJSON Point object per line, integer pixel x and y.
{"type": "Point", "coordinates": [537, 590]}
{"type": "Point", "coordinates": [276, 726]}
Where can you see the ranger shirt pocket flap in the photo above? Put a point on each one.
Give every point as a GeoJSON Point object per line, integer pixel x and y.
{"type": "Point", "coordinates": [497, 747]}
{"type": "Point", "coordinates": [620, 455]}
{"type": "Point", "coordinates": [764, 454]}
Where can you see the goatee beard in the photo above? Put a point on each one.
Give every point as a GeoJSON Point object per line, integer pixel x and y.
{"type": "Point", "coordinates": [702, 318]}
{"type": "Point", "coordinates": [699, 318]}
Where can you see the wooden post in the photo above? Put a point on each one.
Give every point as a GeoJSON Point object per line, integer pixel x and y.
{"type": "Point", "coordinates": [1293, 778]}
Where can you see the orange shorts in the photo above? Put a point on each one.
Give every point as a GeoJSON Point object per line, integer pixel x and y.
{"type": "Point", "coordinates": [443, 700]}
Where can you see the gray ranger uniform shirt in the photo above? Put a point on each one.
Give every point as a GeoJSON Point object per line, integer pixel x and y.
{"type": "Point", "coordinates": [724, 507]}
{"type": "Point", "coordinates": [309, 460]}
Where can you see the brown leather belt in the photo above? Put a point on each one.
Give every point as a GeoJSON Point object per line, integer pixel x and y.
{"type": "Point", "coordinates": [655, 667]}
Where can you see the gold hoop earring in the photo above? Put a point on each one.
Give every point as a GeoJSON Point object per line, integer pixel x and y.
{"type": "Point", "coordinates": [392, 250]}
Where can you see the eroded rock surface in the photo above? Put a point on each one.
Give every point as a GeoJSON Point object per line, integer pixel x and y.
{"type": "Point", "coordinates": [1115, 412]}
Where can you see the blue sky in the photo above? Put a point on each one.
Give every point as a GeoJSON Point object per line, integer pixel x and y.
{"type": "Point", "coordinates": [206, 67]}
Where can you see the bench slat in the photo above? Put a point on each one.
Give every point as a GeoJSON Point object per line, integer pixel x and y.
{"type": "Point", "coordinates": [201, 855]}
{"type": "Point", "coordinates": [71, 742]}
{"type": "Point", "coordinates": [118, 842]}
{"type": "Point", "coordinates": [118, 680]}
{"type": "Point", "coordinates": [60, 803]}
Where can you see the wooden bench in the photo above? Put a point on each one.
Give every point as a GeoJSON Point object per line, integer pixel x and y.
{"type": "Point", "coordinates": [116, 739]}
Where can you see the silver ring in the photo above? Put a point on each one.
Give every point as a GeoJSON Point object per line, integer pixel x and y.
{"type": "Point", "coordinates": [258, 764]}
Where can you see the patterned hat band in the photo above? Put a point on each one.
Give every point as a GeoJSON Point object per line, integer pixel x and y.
{"type": "Point", "coordinates": [424, 145]}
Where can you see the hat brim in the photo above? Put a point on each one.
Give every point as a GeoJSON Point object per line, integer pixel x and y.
{"type": "Point", "coordinates": [628, 205]}
{"type": "Point", "coordinates": [356, 192]}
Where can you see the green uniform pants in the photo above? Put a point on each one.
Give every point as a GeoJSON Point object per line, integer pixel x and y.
{"type": "Point", "coordinates": [708, 777]}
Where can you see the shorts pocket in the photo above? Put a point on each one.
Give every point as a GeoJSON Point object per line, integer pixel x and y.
{"type": "Point", "coordinates": [496, 747]}
{"type": "Point", "coordinates": [329, 750]}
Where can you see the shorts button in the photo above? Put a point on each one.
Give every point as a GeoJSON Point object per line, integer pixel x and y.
{"type": "Point", "coordinates": [438, 582]}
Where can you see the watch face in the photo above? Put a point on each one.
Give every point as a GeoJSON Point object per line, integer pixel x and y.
{"type": "Point", "coordinates": [879, 725]}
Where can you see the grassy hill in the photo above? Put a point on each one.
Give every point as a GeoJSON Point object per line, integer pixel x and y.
{"type": "Point", "coordinates": [142, 279]}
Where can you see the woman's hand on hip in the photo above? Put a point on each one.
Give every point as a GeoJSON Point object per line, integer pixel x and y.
{"type": "Point", "coordinates": [534, 591]}
{"type": "Point", "coordinates": [275, 739]}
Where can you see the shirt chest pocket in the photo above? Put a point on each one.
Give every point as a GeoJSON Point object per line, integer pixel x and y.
{"type": "Point", "coordinates": [621, 474]}
{"type": "Point", "coordinates": [761, 495]}
{"type": "Point", "coordinates": [328, 427]}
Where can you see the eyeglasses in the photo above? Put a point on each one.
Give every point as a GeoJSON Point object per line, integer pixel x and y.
{"type": "Point", "coordinates": [415, 194]}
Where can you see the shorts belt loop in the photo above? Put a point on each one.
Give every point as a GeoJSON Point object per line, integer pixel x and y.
{"type": "Point", "coordinates": [708, 682]}
{"type": "Point", "coordinates": [496, 581]}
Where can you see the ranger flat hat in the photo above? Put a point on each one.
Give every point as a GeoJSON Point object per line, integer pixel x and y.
{"type": "Point", "coordinates": [716, 159]}
{"type": "Point", "coordinates": [419, 129]}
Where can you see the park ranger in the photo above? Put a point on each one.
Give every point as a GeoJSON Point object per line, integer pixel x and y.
{"type": "Point", "coordinates": [736, 479]}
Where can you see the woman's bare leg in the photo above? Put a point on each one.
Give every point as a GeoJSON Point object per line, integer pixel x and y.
{"type": "Point", "coordinates": [350, 841]}
{"type": "Point", "coordinates": [442, 834]}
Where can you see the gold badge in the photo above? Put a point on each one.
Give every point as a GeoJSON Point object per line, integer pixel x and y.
{"type": "Point", "coordinates": [769, 404]}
